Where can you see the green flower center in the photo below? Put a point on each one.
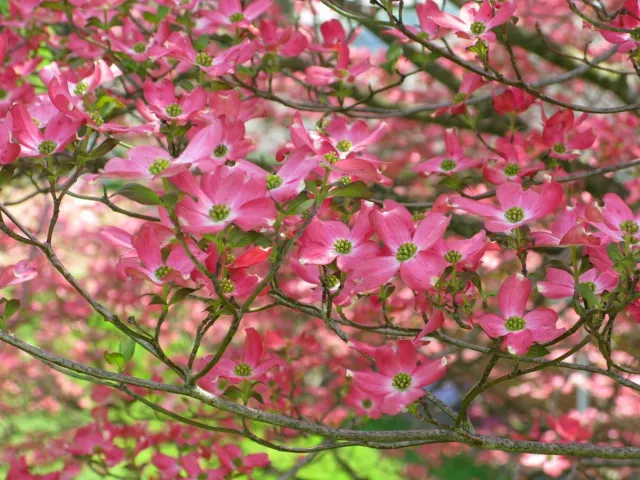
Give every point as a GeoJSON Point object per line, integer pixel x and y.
{"type": "Point", "coordinates": [230, 258]}
{"type": "Point", "coordinates": [590, 285]}
{"type": "Point", "coordinates": [237, 17]}
{"type": "Point", "coordinates": [513, 324]}
{"type": "Point", "coordinates": [331, 157]}
{"type": "Point", "coordinates": [453, 256]}
{"type": "Point", "coordinates": [3, 93]}
{"type": "Point", "coordinates": [629, 226]}
{"type": "Point", "coordinates": [97, 118]}
{"type": "Point", "coordinates": [424, 36]}
{"type": "Point", "coordinates": [159, 165]}
{"type": "Point", "coordinates": [81, 88]}
{"type": "Point", "coordinates": [344, 146]}
{"type": "Point", "coordinates": [273, 181]}
{"type": "Point", "coordinates": [221, 150]}
{"type": "Point", "coordinates": [346, 180]}
{"type": "Point", "coordinates": [242, 370]}
{"type": "Point", "coordinates": [417, 216]}
{"type": "Point", "coordinates": [448, 164]}
{"type": "Point", "coordinates": [219, 212]}
{"type": "Point", "coordinates": [635, 34]}
{"type": "Point", "coordinates": [406, 251]}
{"type": "Point", "coordinates": [139, 47]}
{"type": "Point", "coordinates": [559, 148]}
{"type": "Point", "coordinates": [204, 59]}
{"type": "Point", "coordinates": [227, 286]}
{"type": "Point", "coordinates": [366, 403]}
{"type": "Point", "coordinates": [47, 147]}
{"type": "Point", "coordinates": [514, 214]}
{"type": "Point", "coordinates": [343, 246]}
{"type": "Point", "coordinates": [173, 110]}
{"type": "Point", "coordinates": [477, 28]}
{"type": "Point", "coordinates": [402, 381]}
{"type": "Point", "coordinates": [163, 271]}
{"type": "Point", "coordinates": [332, 281]}
{"type": "Point", "coordinates": [511, 169]}
{"type": "Point", "coordinates": [460, 97]}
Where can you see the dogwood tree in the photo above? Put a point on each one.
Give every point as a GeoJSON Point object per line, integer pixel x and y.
{"type": "Point", "coordinates": [258, 239]}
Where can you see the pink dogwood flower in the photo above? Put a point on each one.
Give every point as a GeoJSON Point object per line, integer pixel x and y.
{"type": "Point", "coordinates": [164, 103]}
{"type": "Point", "coordinates": [407, 251]}
{"type": "Point", "coordinates": [512, 100]}
{"type": "Point", "coordinates": [233, 460]}
{"type": "Point", "coordinates": [400, 378]}
{"type": "Point", "coordinates": [20, 272]}
{"type": "Point", "coordinates": [334, 35]}
{"type": "Point", "coordinates": [364, 404]}
{"type": "Point", "coordinates": [452, 161]}
{"type": "Point", "coordinates": [288, 181]}
{"type": "Point", "coordinates": [561, 284]}
{"type": "Point", "coordinates": [476, 20]}
{"type": "Point", "coordinates": [343, 71]}
{"type": "Point", "coordinates": [517, 207]}
{"type": "Point", "coordinates": [470, 83]}
{"type": "Point", "coordinates": [221, 198]}
{"type": "Point", "coordinates": [154, 162]}
{"type": "Point", "coordinates": [512, 166]}
{"type": "Point", "coordinates": [8, 151]}
{"type": "Point", "coordinates": [519, 329]}
{"type": "Point", "coordinates": [286, 42]}
{"type": "Point", "coordinates": [628, 20]}
{"type": "Point", "coordinates": [568, 229]}
{"type": "Point", "coordinates": [429, 30]}
{"type": "Point", "coordinates": [250, 366]}
{"type": "Point", "coordinates": [465, 253]}
{"type": "Point", "coordinates": [231, 13]}
{"type": "Point", "coordinates": [231, 146]}
{"type": "Point", "coordinates": [150, 262]}
{"type": "Point", "coordinates": [616, 221]}
{"type": "Point", "coordinates": [561, 134]}
{"type": "Point", "coordinates": [59, 132]}
{"type": "Point", "coordinates": [325, 241]}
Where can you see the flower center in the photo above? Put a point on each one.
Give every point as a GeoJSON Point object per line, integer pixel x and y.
{"type": "Point", "coordinates": [346, 180]}
{"type": "Point", "coordinates": [159, 165]}
{"type": "Point", "coordinates": [81, 89]}
{"type": "Point", "coordinates": [221, 150]}
{"type": "Point", "coordinates": [635, 34]}
{"type": "Point", "coordinates": [448, 164]}
{"type": "Point", "coordinates": [219, 212]}
{"type": "Point", "coordinates": [3, 93]}
{"type": "Point", "coordinates": [402, 381]}
{"type": "Point", "coordinates": [511, 169]}
{"type": "Point", "coordinates": [273, 181]}
{"type": "Point", "coordinates": [139, 47]}
{"type": "Point", "coordinates": [590, 285]}
{"type": "Point", "coordinates": [513, 324]}
{"type": "Point", "coordinates": [629, 226]}
{"type": "Point", "coordinates": [237, 17]}
{"type": "Point", "coordinates": [227, 286]}
{"type": "Point", "coordinates": [47, 147]}
{"type": "Point", "coordinates": [417, 216]}
{"type": "Point", "coordinates": [514, 214]}
{"type": "Point", "coordinates": [332, 281]}
{"type": "Point", "coordinates": [230, 258]}
{"type": "Point", "coordinates": [460, 97]}
{"type": "Point", "coordinates": [331, 157]}
{"type": "Point", "coordinates": [163, 271]}
{"type": "Point", "coordinates": [343, 246]}
{"type": "Point", "coordinates": [424, 36]}
{"type": "Point", "coordinates": [453, 256]}
{"type": "Point", "coordinates": [406, 251]}
{"type": "Point", "coordinates": [204, 59]}
{"type": "Point", "coordinates": [344, 145]}
{"type": "Point", "coordinates": [366, 403]}
{"type": "Point", "coordinates": [242, 370]}
{"type": "Point", "coordinates": [477, 28]}
{"type": "Point", "coordinates": [559, 148]}
{"type": "Point", "coordinates": [97, 118]}
{"type": "Point", "coordinates": [174, 110]}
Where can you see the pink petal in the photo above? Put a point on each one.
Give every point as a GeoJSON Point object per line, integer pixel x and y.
{"type": "Point", "coordinates": [513, 295]}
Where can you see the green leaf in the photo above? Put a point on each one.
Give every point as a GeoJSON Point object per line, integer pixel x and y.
{"type": "Point", "coordinates": [54, 5]}
{"type": "Point", "coordinates": [353, 190]}
{"type": "Point", "coordinates": [180, 295]}
{"type": "Point", "coordinates": [586, 293]}
{"type": "Point", "coordinates": [11, 308]}
{"type": "Point", "coordinates": [299, 205]}
{"type": "Point", "coordinates": [238, 238]}
{"type": "Point", "coordinates": [139, 194]}
{"type": "Point", "coordinates": [104, 148]}
{"type": "Point", "coordinates": [6, 174]}
{"type": "Point", "coordinates": [537, 351]}
{"type": "Point", "coordinates": [257, 396]}
{"type": "Point", "coordinates": [614, 252]}
{"type": "Point", "coordinates": [157, 300]}
{"type": "Point", "coordinates": [127, 347]}
{"type": "Point", "coordinates": [114, 358]}
{"type": "Point", "coordinates": [394, 52]}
